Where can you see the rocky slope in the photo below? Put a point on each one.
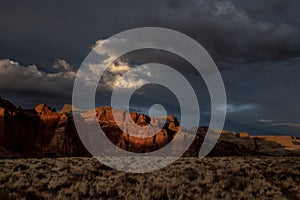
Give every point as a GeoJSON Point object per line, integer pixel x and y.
{"type": "Point", "coordinates": [42, 132]}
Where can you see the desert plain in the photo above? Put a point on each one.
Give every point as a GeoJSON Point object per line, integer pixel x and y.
{"type": "Point", "coordinates": [187, 178]}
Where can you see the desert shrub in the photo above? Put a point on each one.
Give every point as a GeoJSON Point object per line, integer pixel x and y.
{"type": "Point", "coordinates": [21, 167]}
{"type": "Point", "coordinates": [31, 195]}
{"type": "Point", "coordinates": [289, 193]}
{"type": "Point", "coordinates": [130, 180]}
{"type": "Point", "coordinates": [104, 167]}
{"type": "Point", "coordinates": [4, 194]}
{"type": "Point", "coordinates": [40, 176]}
{"type": "Point", "coordinates": [113, 193]}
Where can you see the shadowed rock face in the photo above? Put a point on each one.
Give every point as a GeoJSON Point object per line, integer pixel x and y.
{"type": "Point", "coordinates": [38, 132]}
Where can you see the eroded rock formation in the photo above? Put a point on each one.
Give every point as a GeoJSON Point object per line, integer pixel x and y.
{"type": "Point", "coordinates": [38, 132]}
{"type": "Point", "coordinates": [42, 132]}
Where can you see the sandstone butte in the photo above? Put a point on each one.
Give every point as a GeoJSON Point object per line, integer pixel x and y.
{"type": "Point", "coordinates": [42, 132]}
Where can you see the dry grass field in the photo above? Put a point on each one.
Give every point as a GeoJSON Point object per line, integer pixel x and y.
{"type": "Point", "coordinates": [187, 178]}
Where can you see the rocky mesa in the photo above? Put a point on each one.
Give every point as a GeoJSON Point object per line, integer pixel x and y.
{"type": "Point", "coordinates": [43, 132]}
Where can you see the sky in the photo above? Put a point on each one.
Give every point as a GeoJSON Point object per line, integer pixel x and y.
{"type": "Point", "coordinates": [255, 45]}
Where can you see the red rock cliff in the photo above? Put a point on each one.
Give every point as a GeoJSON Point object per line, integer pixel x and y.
{"type": "Point", "coordinates": [38, 132]}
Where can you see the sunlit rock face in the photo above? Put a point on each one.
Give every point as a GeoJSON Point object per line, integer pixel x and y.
{"type": "Point", "coordinates": [136, 132]}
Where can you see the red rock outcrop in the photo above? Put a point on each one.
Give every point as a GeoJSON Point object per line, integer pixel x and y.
{"type": "Point", "coordinates": [38, 132]}
{"type": "Point", "coordinates": [41, 132]}
{"type": "Point", "coordinates": [147, 135]}
{"type": "Point", "coordinates": [243, 134]}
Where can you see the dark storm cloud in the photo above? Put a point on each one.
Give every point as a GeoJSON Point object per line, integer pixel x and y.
{"type": "Point", "coordinates": [232, 35]}
{"type": "Point", "coordinates": [272, 10]}
{"type": "Point", "coordinates": [232, 31]}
